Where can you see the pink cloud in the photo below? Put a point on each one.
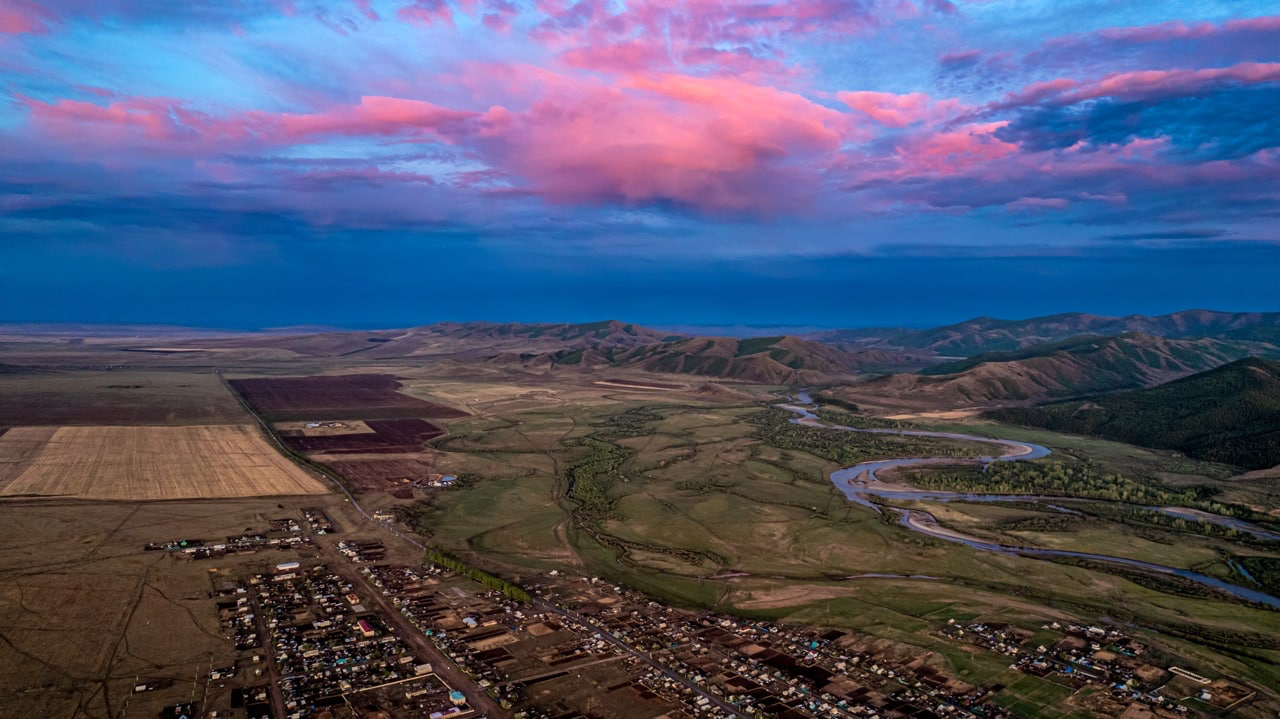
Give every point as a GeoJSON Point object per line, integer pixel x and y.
{"type": "Point", "coordinates": [715, 144]}
{"type": "Point", "coordinates": [628, 56]}
{"type": "Point", "coordinates": [19, 17]}
{"type": "Point", "coordinates": [426, 12]}
{"type": "Point", "coordinates": [952, 152]}
{"type": "Point", "coordinates": [117, 122]}
{"type": "Point", "coordinates": [1178, 30]}
{"type": "Point", "coordinates": [1147, 84]}
{"type": "Point", "coordinates": [162, 120]}
{"type": "Point", "coordinates": [729, 35]}
{"type": "Point", "coordinates": [499, 14]}
{"type": "Point", "coordinates": [366, 8]}
{"type": "Point", "coordinates": [373, 116]}
{"type": "Point", "coordinates": [1140, 85]}
{"type": "Point", "coordinates": [895, 110]}
{"type": "Point", "coordinates": [960, 57]}
{"type": "Point", "coordinates": [1170, 45]}
{"type": "Point", "coordinates": [1037, 92]}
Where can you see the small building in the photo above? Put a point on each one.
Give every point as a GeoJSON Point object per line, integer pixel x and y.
{"type": "Point", "coordinates": [287, 566]}
{"type": "Point", "coordinates": [458, 698]}
{"type": "Point", "coordinates": [366, 629]}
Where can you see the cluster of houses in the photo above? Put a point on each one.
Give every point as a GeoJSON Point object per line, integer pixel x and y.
{"type": "Point", "coordinates": [530, 658]}
{"type": "Point", "coordinates": [328, 647]}
{"type": "Point", "coordinates": [318, 521]}
{"type": "Point", "coordinates": [782, 670]}
{"type": "Point", "coordinates": [1100, 656]}
{"type": "Point", "coordinates": [363, 552]}
{"type": "Point", "coordinates": [283, 534]}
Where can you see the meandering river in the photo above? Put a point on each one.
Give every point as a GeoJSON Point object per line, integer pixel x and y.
{"type": "Point", "coordinates": [861, 485]}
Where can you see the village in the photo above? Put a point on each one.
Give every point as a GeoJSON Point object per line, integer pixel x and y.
{"type": "Point", "coordinates": [1086, 656]}
{"type": "Point", "coordinates": [357, 627]}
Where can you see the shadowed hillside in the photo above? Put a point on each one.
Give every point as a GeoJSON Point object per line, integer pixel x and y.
{"type": "Point", "coordinates": [1230, 414]}
{"type": "Point", "coordinates": [1072, 368]}
{"type": "Point", "coordinates": [764, 360]}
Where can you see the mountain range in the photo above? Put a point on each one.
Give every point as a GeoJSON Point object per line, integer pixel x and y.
{"type": "Point", "coordinates": [986, 334]}
{"type": "Point", "coordinates": [764, 360]}
{"type": "Point", "coordinates": [982, 362]}
{"type": "Point", "coordinates": [1068, 368]}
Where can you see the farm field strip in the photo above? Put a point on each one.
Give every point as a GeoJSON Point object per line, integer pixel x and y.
{"type": "Point", "coordinates": [137, 462]}
{"type": "Point", "coordinates": [356, 396]}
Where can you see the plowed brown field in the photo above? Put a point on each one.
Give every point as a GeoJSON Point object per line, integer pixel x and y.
{"type": "Point", "coordinates": [353, 396]}
{"type": "Point", "coordinates": [380, 474]}
{"type": "Point", "coordinates": [389, 436]}
{"type": "Point", "coordinates": [147, 463]}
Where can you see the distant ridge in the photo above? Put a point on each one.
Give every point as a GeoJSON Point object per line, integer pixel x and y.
{"type": "Point", "coordinates": [1230, 414]}
{"type": "Point", "coordinates": [444, 339]}
{"type": "Point", "coordinates": [764, 360]}
{"type": "Point", "coordinates": [987, 334]}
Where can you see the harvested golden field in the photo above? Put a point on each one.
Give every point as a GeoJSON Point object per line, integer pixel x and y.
{"type": "Point", "coordinates": [18, 446]}
{"type": "Point", "coordinates": [117, 462]}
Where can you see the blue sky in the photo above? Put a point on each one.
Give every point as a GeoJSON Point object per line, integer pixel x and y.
{"type": "Point", "coordinates": [255, 163]}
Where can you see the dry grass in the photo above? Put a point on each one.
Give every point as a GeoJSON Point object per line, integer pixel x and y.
{"type": "Point", "coordinates": [192, 462]}
{"type": "Point", "coordinates": [950, 415]}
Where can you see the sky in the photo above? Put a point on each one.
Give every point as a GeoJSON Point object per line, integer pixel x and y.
{"type": "Point", "coordinates": [365, 163]}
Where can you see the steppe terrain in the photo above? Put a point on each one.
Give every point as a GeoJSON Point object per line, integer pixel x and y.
{"type": "Point", "coordinates": [697, 491]}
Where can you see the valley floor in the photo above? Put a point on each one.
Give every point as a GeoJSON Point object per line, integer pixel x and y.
{"type": "Point", "coordinates": [706, 499]}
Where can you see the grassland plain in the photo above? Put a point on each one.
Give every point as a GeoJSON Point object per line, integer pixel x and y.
{"type": "Point", "coordinates": [136, 462]}
{"type": "Point", "coordinates": [679, 493]}
{"type": "Point", "coordinates": [689, 501]}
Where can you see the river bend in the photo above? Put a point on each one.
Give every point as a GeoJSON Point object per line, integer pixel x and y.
{"type": "Point", "coordinates": [861, 485]}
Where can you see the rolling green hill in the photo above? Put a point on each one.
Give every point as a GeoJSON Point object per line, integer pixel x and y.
{"type": "Point", "coordinates": [1230, 414]}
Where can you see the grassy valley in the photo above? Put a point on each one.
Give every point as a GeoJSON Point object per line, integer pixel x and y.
{"type": "Point", "coordinates": [667, 467]}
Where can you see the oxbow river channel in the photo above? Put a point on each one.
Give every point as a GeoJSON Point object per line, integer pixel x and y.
{"type": "Point", "coordinates": [861, 485]}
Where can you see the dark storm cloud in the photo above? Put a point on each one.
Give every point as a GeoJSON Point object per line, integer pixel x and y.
{"type": "Point", "coordinates": [1222, 124]}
